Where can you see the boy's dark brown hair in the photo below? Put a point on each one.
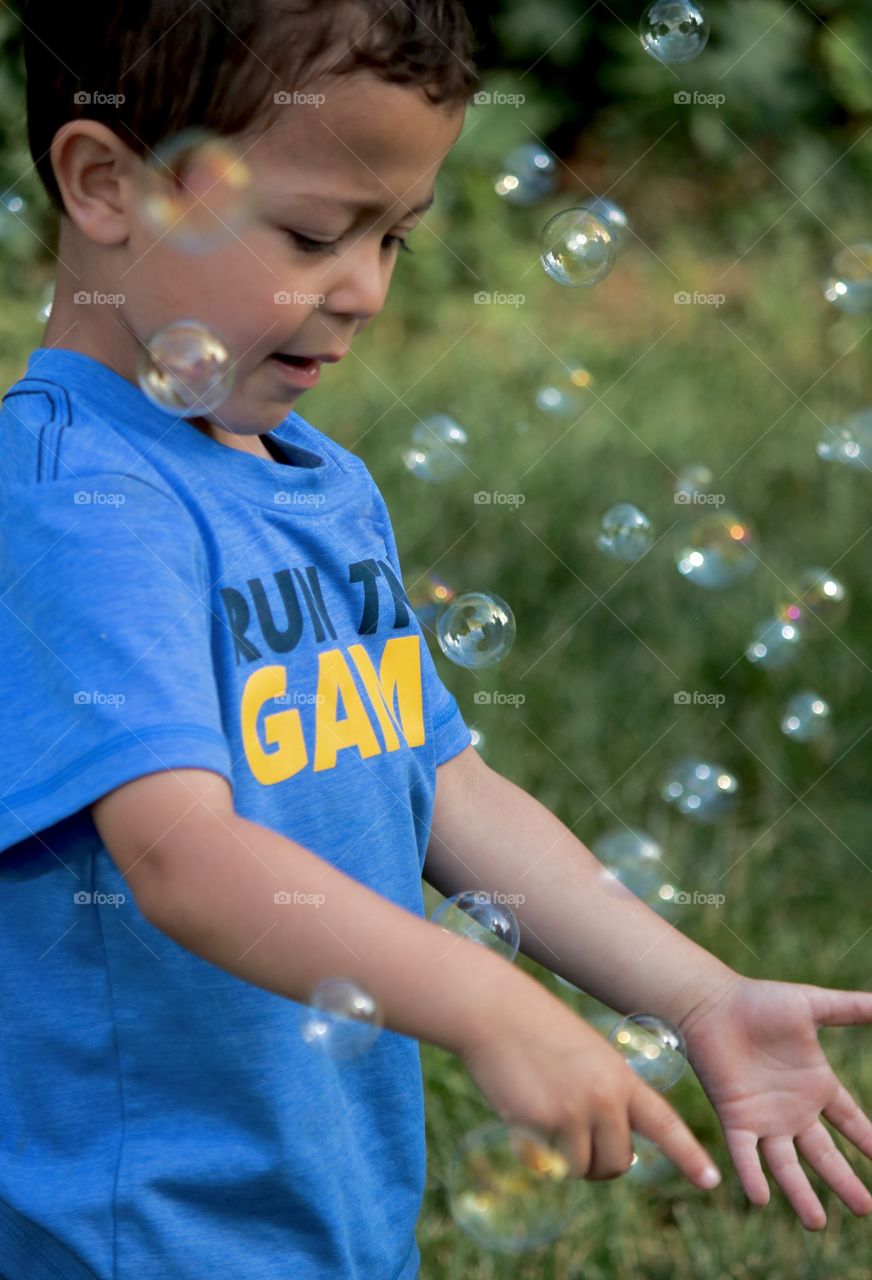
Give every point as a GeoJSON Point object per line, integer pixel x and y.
{"type": "Point", "coordinates": [218, 64]}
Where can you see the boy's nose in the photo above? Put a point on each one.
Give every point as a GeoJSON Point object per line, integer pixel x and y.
{"type": "Point", "coordinates": [359, 291]}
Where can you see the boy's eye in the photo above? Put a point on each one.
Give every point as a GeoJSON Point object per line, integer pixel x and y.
{"type": "Point", "coordinates": [306, 245]}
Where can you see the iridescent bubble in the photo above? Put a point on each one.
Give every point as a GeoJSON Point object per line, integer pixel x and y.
{"type": "Point", "coordinates": [775, 644]}
{"type": "Point", "coordinates": [47, 303]}
{"type": "Point", "coordinates": [650, 1166]}
{"type": "Point", "coordinates": [13, 223]}
{"type": "Point", "coordinates": [634, 858]}
{"type": "Point", "coordinates": [653, 1047]}
{"type": "Point", "coordinates": [483, 918]}
{"type": "Point", "coordinates": [342, 1021]}
{"type": "Point", "coordinates": [566, 394]}
{"type": "Point", "coordinates": [509, 1188]}
{"type": "Point", "coordinates": [479, 741]}
{"type": "Point", "coordinates": [528, 175]}
{"type": "Point", "coordinates": [614, 218]}
{"type": "Point", "coordinates": [815, 602]}
{"type": "Point", "coordinates": [578, 249]}
{"type": "Point", "coordinates": [701, 790]}
{"type": "Point", "coordinates": [717, 551]}
{"type": "Point", "coordinates": [674, 31]}
{"type": "Point", "coordinates": [848, 284]}
{"type": "Point", "coordinates": [197, 192]}
{"type": "Point", "coordinates": [691, 480]}
{"type": "Point", "coordinates": [850, 443]}
{"type": "Point", "coordinates": [626, 532]}
{"type": "Point", "coordinates": [437, 450]}
{"type": "Point", "coordinates": [186, 369]}
{"type": "Point", "coordinates": [476, 629]}
{"type": "Point", "coordinates": [428, 596]}
{"type": "Point", "coordinates": [806, 717]}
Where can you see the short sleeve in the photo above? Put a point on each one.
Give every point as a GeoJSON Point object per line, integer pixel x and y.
{"type": "Point", "coordinates": [106, 671]}
{"type": "Point", "coordinates": [447, 726]}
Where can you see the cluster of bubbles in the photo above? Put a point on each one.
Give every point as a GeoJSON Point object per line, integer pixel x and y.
{"type": "Point", "coordinates": [480, 917]}
{"type": "Point", "coordinates": [700, 790]}
{"type": "Point", "coordinates": [653, 1047]}
{"type": "Point", "coordinates": [341, 1021]}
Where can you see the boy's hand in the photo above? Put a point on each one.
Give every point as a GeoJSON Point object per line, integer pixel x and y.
{"type": "Point", "coordinates": [549, 1069]}
{"type": "Point", "coordinates": [755, 1049]}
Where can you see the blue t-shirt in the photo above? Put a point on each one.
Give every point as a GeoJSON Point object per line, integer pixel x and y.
{"type": "Point", "coordinates": [169, 602]}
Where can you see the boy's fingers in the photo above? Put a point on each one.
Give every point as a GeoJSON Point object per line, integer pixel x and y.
{"type": "Point", "coordinates": [846, 1115]}
{"type": "Point", "coordinates": [832, 1008]}
{"type": "Point", "coordinates": [742, 1146]}
{"type": "Point", "coordinates": [782, 1159]}
{"type": "Point", "coordinates": [816, 1146]}
{"type": "Point", "coordinates": [651, 1116]}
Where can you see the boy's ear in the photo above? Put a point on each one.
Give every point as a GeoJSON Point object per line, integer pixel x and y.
{"type": "Point", "coordinates": [95, 171]}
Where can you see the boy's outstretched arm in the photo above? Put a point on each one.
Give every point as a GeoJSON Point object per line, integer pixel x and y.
{"type": "Point", "coordinates": [753, 1044]}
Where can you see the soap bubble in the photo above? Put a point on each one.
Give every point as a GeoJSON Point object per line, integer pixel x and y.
{"type": "Point", "coordinates": [566, 393]}
{"type": "Point", "coordinates": [578, 249]}
{"type": "Point", "coordinates": [479, 741]}
{"type": "Point", "coordinates": [626, 532]}
{"type": "Point", "coordinates": [46, 305]}
{"type": "Point", "coordinates": [815, 602]}
{"type": "Point", "coordinates": [186, 369]}
{"type": "Point", "coordinates": [342, 1021]}
{"type": "Point", "coordinates": [476, 629]}
{"type": "Point", "coordinates": [475, 915]}
{"type": "Point", "coordinates": [653, 1047]}
{"type": "Point", "coordinates": [528, 175]}
{"type": "Point", "coordinates": [614, 218]}
{"type": "Point", "coordinates": [717, 551]}
{"type": "Point", "coordinates": [775, 644]}
{"type": "Point", "coordinates": [428, 596]}
{"type": "Point", "coordinates": [674, 31]}
{"type": "Point", "coordinates": [850, 443]}
{"type": "Point", "coordinates": [197, 192]}
{"type": "Point", "coordinates": [806, 717]}
{"type": "Point", "coordinates": [701, 790]}
{"type": "Point", "coordinates": [509, 1188]}
{"type": "Point", "coordinates": [691, 480]}
{"type": "Point", "coordinates": [13, 222]}
{"type": "Point", "coordinates": [848, 285]}
{"type": "Point", "coordinates": [437, 450]}
{"type": "Point", "coordinates": [634, 858]}
{"type": "Point", "coordinates": [650, 1166]}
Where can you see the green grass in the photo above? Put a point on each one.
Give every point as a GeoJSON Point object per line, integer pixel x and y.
{"type": "Point", "coordinates": [602, 648]}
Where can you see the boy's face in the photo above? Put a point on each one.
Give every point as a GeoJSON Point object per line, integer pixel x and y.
{"type": "Point", "coordinates": [350, 172]}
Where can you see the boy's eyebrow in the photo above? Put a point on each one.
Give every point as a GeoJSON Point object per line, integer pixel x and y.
{"type": "Point", "coordinates": [360, 207]}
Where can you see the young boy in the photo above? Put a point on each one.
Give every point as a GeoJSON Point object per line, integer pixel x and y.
{"type": "Point", "coordinates": [238, 759]}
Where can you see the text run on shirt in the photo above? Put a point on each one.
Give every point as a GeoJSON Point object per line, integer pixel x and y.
{"type": "Point", "coordinates": [343, 718]}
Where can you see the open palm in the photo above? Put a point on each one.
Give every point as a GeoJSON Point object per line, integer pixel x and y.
{"type": "Point", "coordinates": [755, 1049]}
